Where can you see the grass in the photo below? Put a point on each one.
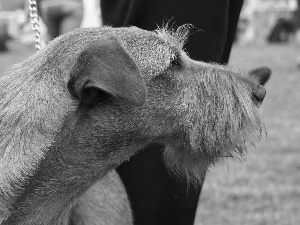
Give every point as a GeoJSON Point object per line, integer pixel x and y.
{"type": "Point", "coordinates": [264, 189]}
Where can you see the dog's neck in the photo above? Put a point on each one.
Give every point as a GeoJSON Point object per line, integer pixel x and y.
{"type": "Point", "coordinates": [60, 178]}
{"type": "Point", "coordinates": [29, 122]}
{"type": "Point", "coordinates": [51, 192]}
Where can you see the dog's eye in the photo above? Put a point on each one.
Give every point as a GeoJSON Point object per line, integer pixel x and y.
{"type": "Point", "coordinates": [174, 60]}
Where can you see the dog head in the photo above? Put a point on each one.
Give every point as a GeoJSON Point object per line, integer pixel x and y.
{"type": "Point", "coordinates": [201, 112]}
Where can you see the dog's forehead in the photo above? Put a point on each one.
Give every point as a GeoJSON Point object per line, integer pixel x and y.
{"type": "Point", "coordinates": [151, 52]}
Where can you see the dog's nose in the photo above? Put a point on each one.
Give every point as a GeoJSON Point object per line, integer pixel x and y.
{"type": "Point", "coordinates": [259, 93]}
{"type": "Point", "coordinates": [261, 75]}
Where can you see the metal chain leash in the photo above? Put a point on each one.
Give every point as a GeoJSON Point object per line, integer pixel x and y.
{"type": "Point", "coordinates": [34, 19]}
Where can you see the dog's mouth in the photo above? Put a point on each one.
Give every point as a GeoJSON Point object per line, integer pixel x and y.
{"type": "Point", "coordinates": [221, 122]}
{"type": "Point", "coordinates": [201, 146]}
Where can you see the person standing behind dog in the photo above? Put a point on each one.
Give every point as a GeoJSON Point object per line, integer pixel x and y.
{"type": "Point", "coordinates": [60, 16]}
{"type": "Point", "coordinates": [156, 197]}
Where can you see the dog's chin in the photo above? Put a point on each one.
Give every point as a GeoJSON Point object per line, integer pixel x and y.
{"type": "Point", "coordinates": [188, 164]}
{"type": "Point", "coordinates": [192, 164]}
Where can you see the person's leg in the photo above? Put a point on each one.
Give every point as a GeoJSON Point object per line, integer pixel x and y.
{"type": "Point", "coordinates": [235, 7]}
{"type": "Point", "coordinates": [156, 197]}
{"type": "Point", "coordinates": [120, 13]}
{"type": "Point", "coordinates": [210, 17]}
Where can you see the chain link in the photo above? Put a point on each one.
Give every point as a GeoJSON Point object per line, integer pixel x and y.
{"type": "Point", "coordinates": [34, 19]}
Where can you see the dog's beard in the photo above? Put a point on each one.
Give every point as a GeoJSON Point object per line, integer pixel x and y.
{"type": "Point", "coordinates": [221, 121]}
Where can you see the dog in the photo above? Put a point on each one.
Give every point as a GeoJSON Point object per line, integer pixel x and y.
{"type": "Point", "coordinates": [92, 98]}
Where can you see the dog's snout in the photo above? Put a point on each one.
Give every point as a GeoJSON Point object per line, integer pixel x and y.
{"type": "Point", "coordinates": [259, 93]}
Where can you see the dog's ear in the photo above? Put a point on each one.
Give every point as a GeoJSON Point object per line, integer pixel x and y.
{"type": "Point", "coordinates": [261, 75]}
{"type": "Point", "coordinates": [103, 70]}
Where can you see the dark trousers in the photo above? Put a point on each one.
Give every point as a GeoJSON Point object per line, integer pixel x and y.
{"type": "Point", "coordinates": [156, 196]}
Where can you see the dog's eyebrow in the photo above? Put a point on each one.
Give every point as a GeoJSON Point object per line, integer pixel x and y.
{"type": "Point", "coordinates": [175, 54]}
{"type": "Point", "coordinates": [177, 38]}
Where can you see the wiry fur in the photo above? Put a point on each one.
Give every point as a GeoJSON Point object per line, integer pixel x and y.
{"type": "Point", "coordinates": [105, 203]}
{"type": "Point", "coordinates": [30, 117]}
{"type": "Point", "coordinates": [57, 139]}
{"type": "Point", "coordinates": [175, 37]}
{"type": "Point", "coordinates": [228, 122]}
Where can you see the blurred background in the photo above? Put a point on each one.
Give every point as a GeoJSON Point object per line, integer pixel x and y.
{"type": "Point", "coordinates": [264, 188]}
